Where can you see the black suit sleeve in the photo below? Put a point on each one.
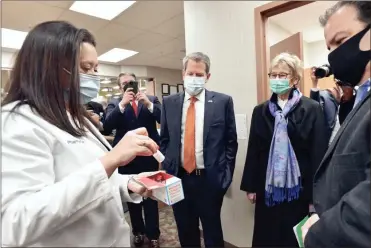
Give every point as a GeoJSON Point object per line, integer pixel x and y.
{"type": "Point", "coordinates": [319, 146]}
{"type": "Point", "coordinates": [164, 132]}
{"type": "Point", "coordinates": [231, 141]}
{"type": "Point", "coordinates": [113, 114]}
{"type": "Point", "coordinates": [157, 109]}
{"type": "Point", "coordinates": [347, 224]}
{"type": "Point", "coordinates": [248, 182]}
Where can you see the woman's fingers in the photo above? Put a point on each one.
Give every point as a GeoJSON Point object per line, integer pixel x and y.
{"type": "Point", "coordinates": [141, 131]}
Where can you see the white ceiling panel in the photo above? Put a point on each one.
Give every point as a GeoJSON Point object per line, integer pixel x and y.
{"type": "Point", "coordinates": [83, 21]}
{"type": "Point", "coordinates": [145, 42]}
{"type": "Point", "coordinates": [148, 14]}
{"type": "Point", "coordinates": [23, 15]}
{"type": "Point", "coordinates": [173, 27]}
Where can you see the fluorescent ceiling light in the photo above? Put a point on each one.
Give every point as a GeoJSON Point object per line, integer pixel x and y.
{"type": "Point", "coordinates": [108, 95]}
{"type": "Point", "coordinates": [102, 9]}
{"type": "Point", "coordinates": [116, 87]}
{"type": "Point", "coordinates": [12, 38]}
{"type": "Point", "coordinates": [116, 55]}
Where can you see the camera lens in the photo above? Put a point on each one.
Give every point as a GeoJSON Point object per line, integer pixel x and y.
{"type": "Point", "coordinates": [323, 71]}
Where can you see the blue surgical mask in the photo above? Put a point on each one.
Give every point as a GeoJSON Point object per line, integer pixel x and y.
{"type": "Point", "coordinates": [279, 86]}
{"type": "Point", "coordinates": [194, 85]}
{"type": "Point", "coordinates": [89, 88]}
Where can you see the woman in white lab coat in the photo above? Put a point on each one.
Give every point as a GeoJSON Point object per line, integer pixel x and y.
{"type": "Point", "coordinates": [60, 185]}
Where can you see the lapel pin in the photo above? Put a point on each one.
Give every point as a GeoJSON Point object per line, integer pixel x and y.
{"type": "Point", "coordinates": [210, 101]}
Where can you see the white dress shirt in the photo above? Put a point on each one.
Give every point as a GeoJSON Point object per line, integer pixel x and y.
{"type": "Point", "coordinates": [150, 108]}
{"type": "Point", "coordinates": [199, 139]}
{"type": "Point", "coordinates": [281, 102]}
{"type": "Point", "coordinates": [55, 191]}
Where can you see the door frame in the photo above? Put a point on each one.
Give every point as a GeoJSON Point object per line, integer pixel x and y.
{"type": "Point", "coordinates": [261, 15]}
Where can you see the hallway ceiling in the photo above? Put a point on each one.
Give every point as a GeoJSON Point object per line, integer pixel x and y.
{"type": "Point", "coordinates": [154, 29]}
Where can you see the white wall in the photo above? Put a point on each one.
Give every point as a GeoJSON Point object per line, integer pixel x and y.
{"type": "Point", "coordinates": [225, 31]}
{"type": "Point", "coordinates": [164, 76]}
{"type": "Point", "coordinates": [317, 53]}
{"type": "Point", "coordinates": [314, 53]}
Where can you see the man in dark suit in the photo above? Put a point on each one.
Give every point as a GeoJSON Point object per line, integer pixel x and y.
{"type": "Point", "coordinates": [199, 141]}
{"type": "Point", "coordinates": [342, 181]}
{"type": "Point", "coordinates": [128, 113]}
{"type": "Point", "coordinates": [336, 105]}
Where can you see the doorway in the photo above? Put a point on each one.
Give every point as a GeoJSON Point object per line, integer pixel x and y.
{"type": "Point", "coordinates": [290, 26]}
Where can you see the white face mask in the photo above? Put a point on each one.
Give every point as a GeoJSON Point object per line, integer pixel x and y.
{"type": "Point", "coordinates": [194, 85]}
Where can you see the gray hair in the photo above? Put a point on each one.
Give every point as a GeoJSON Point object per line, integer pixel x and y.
{"type": "Point", "coordinates": [363, 8]}
{"type": "Point", "coordinates": [292, 61]}
{"type": "Point", "coordinates": [197, 57]}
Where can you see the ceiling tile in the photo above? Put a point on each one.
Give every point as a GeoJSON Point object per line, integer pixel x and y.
{"type": "Point", "coordinates": [166, 62]}
{"type": "Point", "coordinates": [23, 15]}
{"type": "Point", "coordinates": [139, 59]}
{"type": "Point", "coordinates": [149, 14]}
{"type": "Point", "coordinates": [176, 55]}
{"type": "Point", "coordinates": [175, 45]}
{"type": "Point", "coordinates": [117, 34]}
{"type": "Point", "coordinates": [145, 42]}
{"type": "Point", "coordinates": [60, 4]}
{"type": "Point", "coordinates": [83, 21]}
{"type": "Point", "coordinates": [173, 27]}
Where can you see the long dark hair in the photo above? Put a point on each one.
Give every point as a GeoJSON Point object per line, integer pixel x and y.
{"type": "Point", "coordinates": [39, 76]}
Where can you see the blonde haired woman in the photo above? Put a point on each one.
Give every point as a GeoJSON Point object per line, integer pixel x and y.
{"type": "Point", "coordinates": [286, 145]}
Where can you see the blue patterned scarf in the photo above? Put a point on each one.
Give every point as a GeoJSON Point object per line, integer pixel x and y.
{"type": "Point", "coordinates": [283, 173]}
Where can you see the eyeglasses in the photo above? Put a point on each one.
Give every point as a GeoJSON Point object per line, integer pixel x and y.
{"type": "Point", "coordinates": [280, 75]}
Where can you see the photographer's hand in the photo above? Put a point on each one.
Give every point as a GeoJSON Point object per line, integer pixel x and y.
{"type": "Point", "coordinates": [143, 97]}
{"type": "Point", "coordinates": [314, 78]}
{"type": "Point", "coordinates": [127, 97]}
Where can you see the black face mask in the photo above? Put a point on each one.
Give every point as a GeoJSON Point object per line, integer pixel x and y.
{"type": "Point", "coordinates": [348, 62]}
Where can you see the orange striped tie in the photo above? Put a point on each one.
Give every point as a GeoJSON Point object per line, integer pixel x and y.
{"type": "Point", "coordinates": [189, 138]}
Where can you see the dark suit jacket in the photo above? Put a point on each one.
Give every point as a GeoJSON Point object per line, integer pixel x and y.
{"type": "Point", "coordinates": [342, 186]}
{"type": "Point", "coordinates": [220, 137]}
{"type": "Point", "coordinates": [124, 122]}
{"type": "Point", "coordinates": [330, 108]}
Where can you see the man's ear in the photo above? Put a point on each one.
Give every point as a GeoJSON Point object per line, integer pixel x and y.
{"type": "Point", "coordinates": [208, 76]}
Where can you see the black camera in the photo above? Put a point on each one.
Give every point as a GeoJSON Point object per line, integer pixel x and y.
{"type": "Point", "coordinates": [323, 71]}
{"type": "Point", "coordinates": [133, 85]}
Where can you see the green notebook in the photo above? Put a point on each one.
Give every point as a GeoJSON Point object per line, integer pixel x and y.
{"type": "Point", "coordinates": [298, 232]}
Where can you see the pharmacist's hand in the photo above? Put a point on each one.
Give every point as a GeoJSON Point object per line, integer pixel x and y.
{"type": "Point", "coordinates": [139, 189]}
{"type": "Point", "coordinates": [251, 197]}
{"type": "Point", "coordinates": [134, 143]}
{"type": "Point", "coordinates": [310, 222]}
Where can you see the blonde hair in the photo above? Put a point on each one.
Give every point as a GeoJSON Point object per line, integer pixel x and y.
{"type": "Point", "coordinates": [292, 61]}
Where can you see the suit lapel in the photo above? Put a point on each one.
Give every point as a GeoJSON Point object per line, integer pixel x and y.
{"type": "Point", "coordinates": [208, 112]}
{"type": "Point", "coordinates": [140, 108]}
{"type": "Point", "coordinates": [177, 115]}
{"type": "Point", "coordinates": [333, 144]}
